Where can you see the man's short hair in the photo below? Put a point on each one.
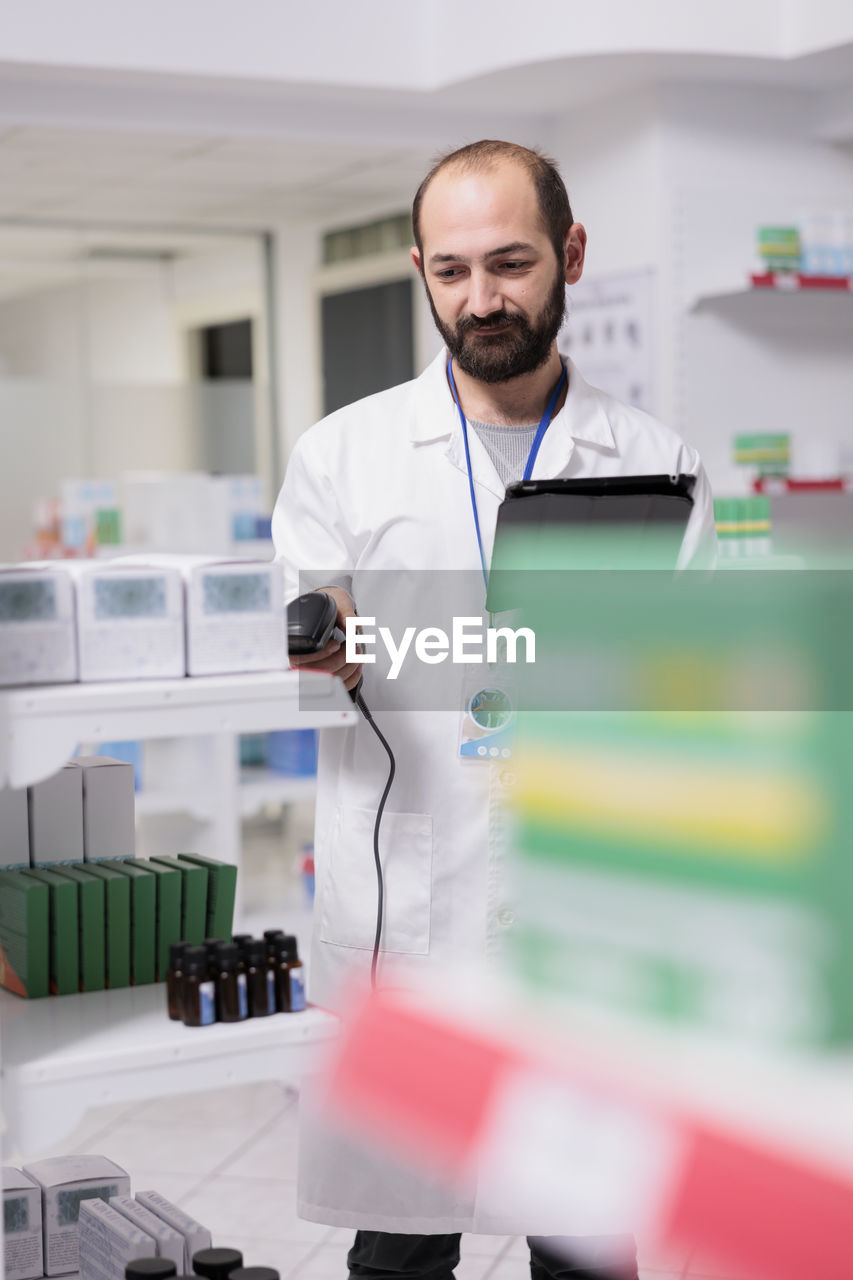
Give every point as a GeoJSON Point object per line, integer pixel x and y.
{"type": "Point", "coordinates": [550, 189]}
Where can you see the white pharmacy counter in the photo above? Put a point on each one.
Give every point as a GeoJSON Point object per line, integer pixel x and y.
{"type": "Point", "coordinates": [62, 1055]}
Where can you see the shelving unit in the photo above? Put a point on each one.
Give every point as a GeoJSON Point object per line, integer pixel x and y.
{"type": "Point", "coordinates": [256, 788]}
{"type": "Point", "coordinates": [768, 287]}
{"type": "Point", "coordinates": [64, 1054]}
{"type": "Point", "coordinates": [40, 727]}
{"type": "Point", "coordinates": [259, 787]}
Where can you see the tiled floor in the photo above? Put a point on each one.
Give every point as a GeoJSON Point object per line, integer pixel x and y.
{"type": "Point", "coordinates": [228, 1157]}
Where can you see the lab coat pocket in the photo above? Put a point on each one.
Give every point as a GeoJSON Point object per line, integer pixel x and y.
{"type": "Point", "coordinates": [348, 889]}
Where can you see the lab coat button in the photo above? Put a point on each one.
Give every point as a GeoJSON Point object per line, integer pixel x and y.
{"type": "Point", "coordinates": [505, 916]}
{"type": "Point", "coordinates": [508, 778]}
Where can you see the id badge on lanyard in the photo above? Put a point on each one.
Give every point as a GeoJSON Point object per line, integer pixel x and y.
{"type": "Point", "coordinates": [487, 721]}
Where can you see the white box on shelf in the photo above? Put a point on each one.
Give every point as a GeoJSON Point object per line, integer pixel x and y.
{"type": "Point", "coordinates": [14, 828]}
{"type": "Point", "coordinates": [66, 1182]}
{"type": "Point", "coordinates": [169, 1242]}
{"type": "Point", "coordinates": [22, 1241]}
{"type": "Point", "coordinates": [235, 615]}
{"type": "Point", "coordinates": [55, 811]}
{"type": "Point", "coordinates": [38, 643]}
{"type": "Point", "coordinates": [109, 800]}
{"type": "Point", "coordinates": [195, 1235]}
{"type": "Point", "coordinates": [108, 1242]}
{"type": "Point", "coordinates": [182, 511]}
{"type": "Point", "coordinates": [130, 620]}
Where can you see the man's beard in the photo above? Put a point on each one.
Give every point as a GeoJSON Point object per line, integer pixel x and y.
{"type": "Point", "coordinates": [497, 357]}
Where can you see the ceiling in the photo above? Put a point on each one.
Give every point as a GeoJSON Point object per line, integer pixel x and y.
{"type": "Point", "coordinates": [54, 174]}
{"type": "Point", "coordinates": [101, 151]}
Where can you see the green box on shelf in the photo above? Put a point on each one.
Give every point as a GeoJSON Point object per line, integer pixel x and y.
{"type": "Point", "coordinates": [194, 882]}
{"type": "Point", "coordinates": [143, 919]}
{"type": "Point", "coordinates": [92, 940]}
{"type": "Point", "coordinates": [168, 918]}
{"type": "Point", "coordinates": [779, 248]}
{"type": "Point", "coordinates": [64, 946]}
{"type": "Point", "coordinates": [769, 451]}
{"type": "Point", "coordinates": [221, 891]}
{"type": "Point", "coordinates": [116, 921]}
{"type": "Point", "coordinates": [24, 935]}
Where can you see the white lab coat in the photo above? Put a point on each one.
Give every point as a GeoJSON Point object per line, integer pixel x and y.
{"type": "Point", "coordinates": [382, 484]}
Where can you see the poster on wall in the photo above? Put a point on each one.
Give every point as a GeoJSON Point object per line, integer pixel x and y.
{"type": "Point", "coordinates": [609, 334]}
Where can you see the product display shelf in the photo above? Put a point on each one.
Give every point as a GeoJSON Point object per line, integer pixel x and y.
{"type": "Point", "coordinates": [761, 290]}
{"type": "Point", "coordinates": [260, 787]}
{"type": "Point", "coordinates": [41, 726]}
{"type": "Point", "coordinates": [64, 1054]}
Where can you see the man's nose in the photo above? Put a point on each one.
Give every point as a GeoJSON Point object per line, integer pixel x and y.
{"type": "Point", "coordinates": [484, 297]}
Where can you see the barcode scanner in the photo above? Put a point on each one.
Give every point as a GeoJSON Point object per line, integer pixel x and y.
{"type": "Point", "coordinates": [311, 625]}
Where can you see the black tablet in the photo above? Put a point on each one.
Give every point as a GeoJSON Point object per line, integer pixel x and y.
{"type": "Point", "coordinates": [652, 509]}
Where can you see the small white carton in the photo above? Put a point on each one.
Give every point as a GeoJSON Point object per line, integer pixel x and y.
{"type": "Point", "coordinates": [14, 828]}
{"type": "Point", "coordinates": [109, 1241]}
{"type": "Point", "coordinates": [169, 1242]}
{"type": "Point", "coordinates": [22, 1243]}
{"type": "Point", "coordinates": [66, 1182]}
{"type": "Point", "coordinates": [55, 812]}
{"type": "Point", "coordinates": [108, 808]}
{"type": "Point", "coordinates": [130, 620]}
{"type": "Point", "coordinates": [235, 614]}
{"type": "Point", "coordinates": [195, 1235]}
{"type": "Point", "coordinates": [38, 643]}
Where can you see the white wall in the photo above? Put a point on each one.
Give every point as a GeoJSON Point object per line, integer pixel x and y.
{"type": "Point", "coordinates": [611, 161]}
{"type": "Point", "coordinates": [735, 158]}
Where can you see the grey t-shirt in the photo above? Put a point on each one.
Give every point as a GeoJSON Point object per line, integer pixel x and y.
{"type": "Point", "coordinates": [508, 447]}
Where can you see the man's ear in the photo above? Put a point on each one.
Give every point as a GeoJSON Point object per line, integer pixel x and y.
{"type": "Point", "coordinates": [416, 259]}
{"type": "Point", "coordinates": [575, 250]}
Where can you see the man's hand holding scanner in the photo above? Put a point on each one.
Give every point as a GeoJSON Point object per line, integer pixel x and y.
{"type": "Point", "coordinates": [332, 658]}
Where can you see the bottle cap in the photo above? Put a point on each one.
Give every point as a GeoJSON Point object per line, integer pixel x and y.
{"type": "Point", "coordinates": [176, 953]}
{"type": "Point", "coordinates": [150, 1269]}
{"type": "Point", "coordinates": [256, 951]}
{"type": "Point", "coordinates": [270, 935]}
{"type": "Point", "coordinates": [216, 1264]}
{"type": "Point", "coordinates": [227, 955]}
{"type": "Point", "coordinates": [242, 939]}
{"type": "Point", "coordinates": [210, 944]}
{"type": "Point", "coordinates": [286, 947]}
{"type": "Point", "coordinates": [254, 1273]}
{"type": "Point", "coordinates": [195, 961]}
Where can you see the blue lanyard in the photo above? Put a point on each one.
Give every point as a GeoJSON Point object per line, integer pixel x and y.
{"type": "Point", "coordinates": [544, 424]}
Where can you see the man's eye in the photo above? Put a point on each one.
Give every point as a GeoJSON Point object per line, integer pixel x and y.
{"type": "Point", "coordinates": [448, 273]}
{"type": "Point", "coordinates": [514, 266]}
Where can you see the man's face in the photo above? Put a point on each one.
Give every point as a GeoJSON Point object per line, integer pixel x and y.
{"type": "Point", "coordinates": [495, 287]}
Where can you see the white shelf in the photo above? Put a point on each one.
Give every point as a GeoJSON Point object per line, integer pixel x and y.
{"type": "Point", "coordinates": [257, 787]}
{"type": "Point", "coordinates": [766, 301]}
{"type": "Point", "coordinates": [64, 1054]}
{"type": "Point", "coordinates": [40, 727]}
{"type": "Point", "coordinates": [260, 787]}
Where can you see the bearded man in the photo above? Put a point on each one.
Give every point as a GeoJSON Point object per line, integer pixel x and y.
{"type": "Point", "coordinates": [411, 479]}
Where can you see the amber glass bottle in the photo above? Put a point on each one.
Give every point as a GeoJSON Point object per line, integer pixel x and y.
{"type": "Point", "coordinates": [199, 991]}
{"type": "Point", "coordinates": [290, 989]}
{"type": "Point", "coordinates": [216, 1264]}
{"type": "Point", "coordinates": [260, 979]}
{"type": "Point", "coordinates": [175, 981]}
{"type": "Point", "coordinates": [232, 1004]}
{"type": "Point", "coordinates": [150, 1269]}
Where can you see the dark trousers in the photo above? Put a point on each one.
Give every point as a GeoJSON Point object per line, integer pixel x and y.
{"type": "Point", "coordinates": [381, 1255]}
